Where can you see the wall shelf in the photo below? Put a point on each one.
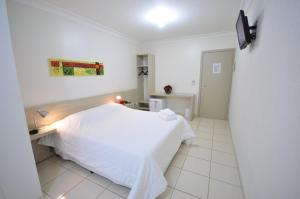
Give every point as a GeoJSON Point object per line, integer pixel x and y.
{"type": "Point", "coordinates": [145, 76]}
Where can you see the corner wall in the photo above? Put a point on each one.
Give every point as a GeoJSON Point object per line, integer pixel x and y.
{"type": "Point", "coordinates": [264, 110]}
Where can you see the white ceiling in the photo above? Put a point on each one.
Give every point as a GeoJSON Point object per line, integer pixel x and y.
{"type": "Point", "coordinates": [127, 16]}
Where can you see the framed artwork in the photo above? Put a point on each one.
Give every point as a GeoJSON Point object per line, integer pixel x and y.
{"type": "Point", "coordinates": [60, 67]}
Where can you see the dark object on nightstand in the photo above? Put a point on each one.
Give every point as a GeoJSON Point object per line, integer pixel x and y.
{"type": "Point", "coordinates": [34, 131]}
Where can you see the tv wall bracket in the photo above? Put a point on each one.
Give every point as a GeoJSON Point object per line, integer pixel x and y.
{"type": "Point", "coordinates": [253, 32]}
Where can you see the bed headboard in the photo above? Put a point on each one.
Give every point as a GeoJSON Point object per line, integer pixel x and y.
{"type": "Point", "coordinates": [59, 110]}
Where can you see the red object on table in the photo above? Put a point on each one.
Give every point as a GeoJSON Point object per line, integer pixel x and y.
{"type": "Point", "coordinates": [119, 100]}
{"type": "Point", "coordinates": [168, 89]}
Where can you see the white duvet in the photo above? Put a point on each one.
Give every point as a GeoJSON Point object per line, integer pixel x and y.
{"type": "Point", "coordinates": [130, 147]}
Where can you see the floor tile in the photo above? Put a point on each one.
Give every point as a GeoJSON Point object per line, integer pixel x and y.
{"type": "Point", "coordinates": [166, 194]}
{"type": "Point", "coordinates": [225, 173]}
{"type": "Point", "coordinates": [43, 164]}
{"type": "Point", "coordinates": [223, 146]}
{"type": "Point", "coordinates": [62, 184]}
{"type": "Point", "coordinates": [222, 127]}
{"type": "Point", "coordinates": [65, 163]}
{"type": "Point", "coordinates": [86, 189]}
{"type": "Point", "coordinates": [206, 122]}
{"type": "Point", "coordinates": [222, 132]}
{"type": "Point", "coordinates": [205, 125]}
{"type": "Point", "coordinates": [50, 172]}
{"type": "Point", "coordinates": [102, 181]}
{"type": "Point", "coordinates": [197, 165]}
{"type": "Point", "coordinates": [120, 190]}
{"type": "Point", "coordinates": [220, 190]}
{"type": "Point", "coordinates": [204, 119]}
{"type": "Point", "coordinates": [183, 149]}
{"type": "Point", "coordinates": [80, 170]}
{"type": "Point", "coordinates": [55, 158]}
{"type": "Point", "coordinates": [202, 142]}
{"type": "Point", "coordinates": [221, 124]}
{"type": "Point", "coordinates": [195, 122]}
{"type": "Point", "coordinates": [109, 195]}
{"type": "Point", "coordinates": [178, 160]}
{"type": "Point", "coordinates": [204, 135]}
{"type": "Point", "coordinates": [192, 183]}
{"type": "Point", "coordinates": [172, 175]}
{"type": "Point", "coordinates": [220, 135]}
{"type": "Point", "coordinates": [204, 129]}
{"type": "Point", "coordinates": [224, 158]}
{"type": "Point", "coordinates": [222, 138]}
{"type": "Point", "coordinates": [194, 126]}
{"type": "Point", "coordinates": [180, 195]}
{"type": "Point", "coordinates": [200, 152]}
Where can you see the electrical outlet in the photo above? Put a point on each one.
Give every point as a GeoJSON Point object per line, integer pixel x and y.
{"type": "Point", "coordinates": [193, 82]}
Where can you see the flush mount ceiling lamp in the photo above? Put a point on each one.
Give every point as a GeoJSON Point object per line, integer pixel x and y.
{"type": "Point", "coordinates": [161, 16]}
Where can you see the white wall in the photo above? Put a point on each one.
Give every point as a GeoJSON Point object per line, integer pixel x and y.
{"type": "Point", "coordinates": [18, 175]}
{"type": "Point", "coordinates": [178, 61]}
{"type": "Point", "coordinates": [41, 31]}
{"type": "Point", "coordinates": [264, 109]}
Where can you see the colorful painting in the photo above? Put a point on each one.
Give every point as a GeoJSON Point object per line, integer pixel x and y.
{"type": "Point", "coordinates": [59, 67]}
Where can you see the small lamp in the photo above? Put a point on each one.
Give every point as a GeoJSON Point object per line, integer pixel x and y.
{"type": "Point", "coordinates": [42, 114]}
{"type": "Point", "coordinates": [119, 99]}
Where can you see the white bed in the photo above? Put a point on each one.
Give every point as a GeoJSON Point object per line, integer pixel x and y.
{"type": "Point", "coordinates": [130, 147]}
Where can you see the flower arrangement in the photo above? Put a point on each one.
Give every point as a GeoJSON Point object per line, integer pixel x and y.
{"type": "Point", "coordinates": [168, 89]}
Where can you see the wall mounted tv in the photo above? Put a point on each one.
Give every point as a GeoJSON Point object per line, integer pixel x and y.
{"type": "Point", "coordinates": [245, 37]}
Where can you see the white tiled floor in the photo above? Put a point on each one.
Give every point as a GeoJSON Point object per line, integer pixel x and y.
{"type": "Point", "coordinates": [205, 170]}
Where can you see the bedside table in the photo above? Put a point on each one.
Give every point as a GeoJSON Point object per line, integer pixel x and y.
{"type": "Point", "coordinates": [43, 132]}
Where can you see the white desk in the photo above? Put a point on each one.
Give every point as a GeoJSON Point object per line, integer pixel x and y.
{"type": "Point", "coordinates": [188, 98]}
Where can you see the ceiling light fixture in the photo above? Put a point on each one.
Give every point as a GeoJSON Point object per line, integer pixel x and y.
{"type": "Point", "coordinates": [161, 16]}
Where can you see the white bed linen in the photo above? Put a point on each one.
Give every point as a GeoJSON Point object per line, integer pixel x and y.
{"type": "Point", "coordinates": [130, 147]}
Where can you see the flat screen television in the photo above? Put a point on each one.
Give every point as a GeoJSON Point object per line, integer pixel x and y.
{"type": "Point", "coordinates": [243, 30]}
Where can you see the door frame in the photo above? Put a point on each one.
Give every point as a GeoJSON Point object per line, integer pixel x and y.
{"type": "Point", "coordinates": [201, 72]}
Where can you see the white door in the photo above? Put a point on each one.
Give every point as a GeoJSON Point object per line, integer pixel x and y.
{"type": "Point", "coordinates": [217, 67]}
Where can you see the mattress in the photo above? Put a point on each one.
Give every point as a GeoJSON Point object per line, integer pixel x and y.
{"type": "Point", "coordinates": [132, 148]}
